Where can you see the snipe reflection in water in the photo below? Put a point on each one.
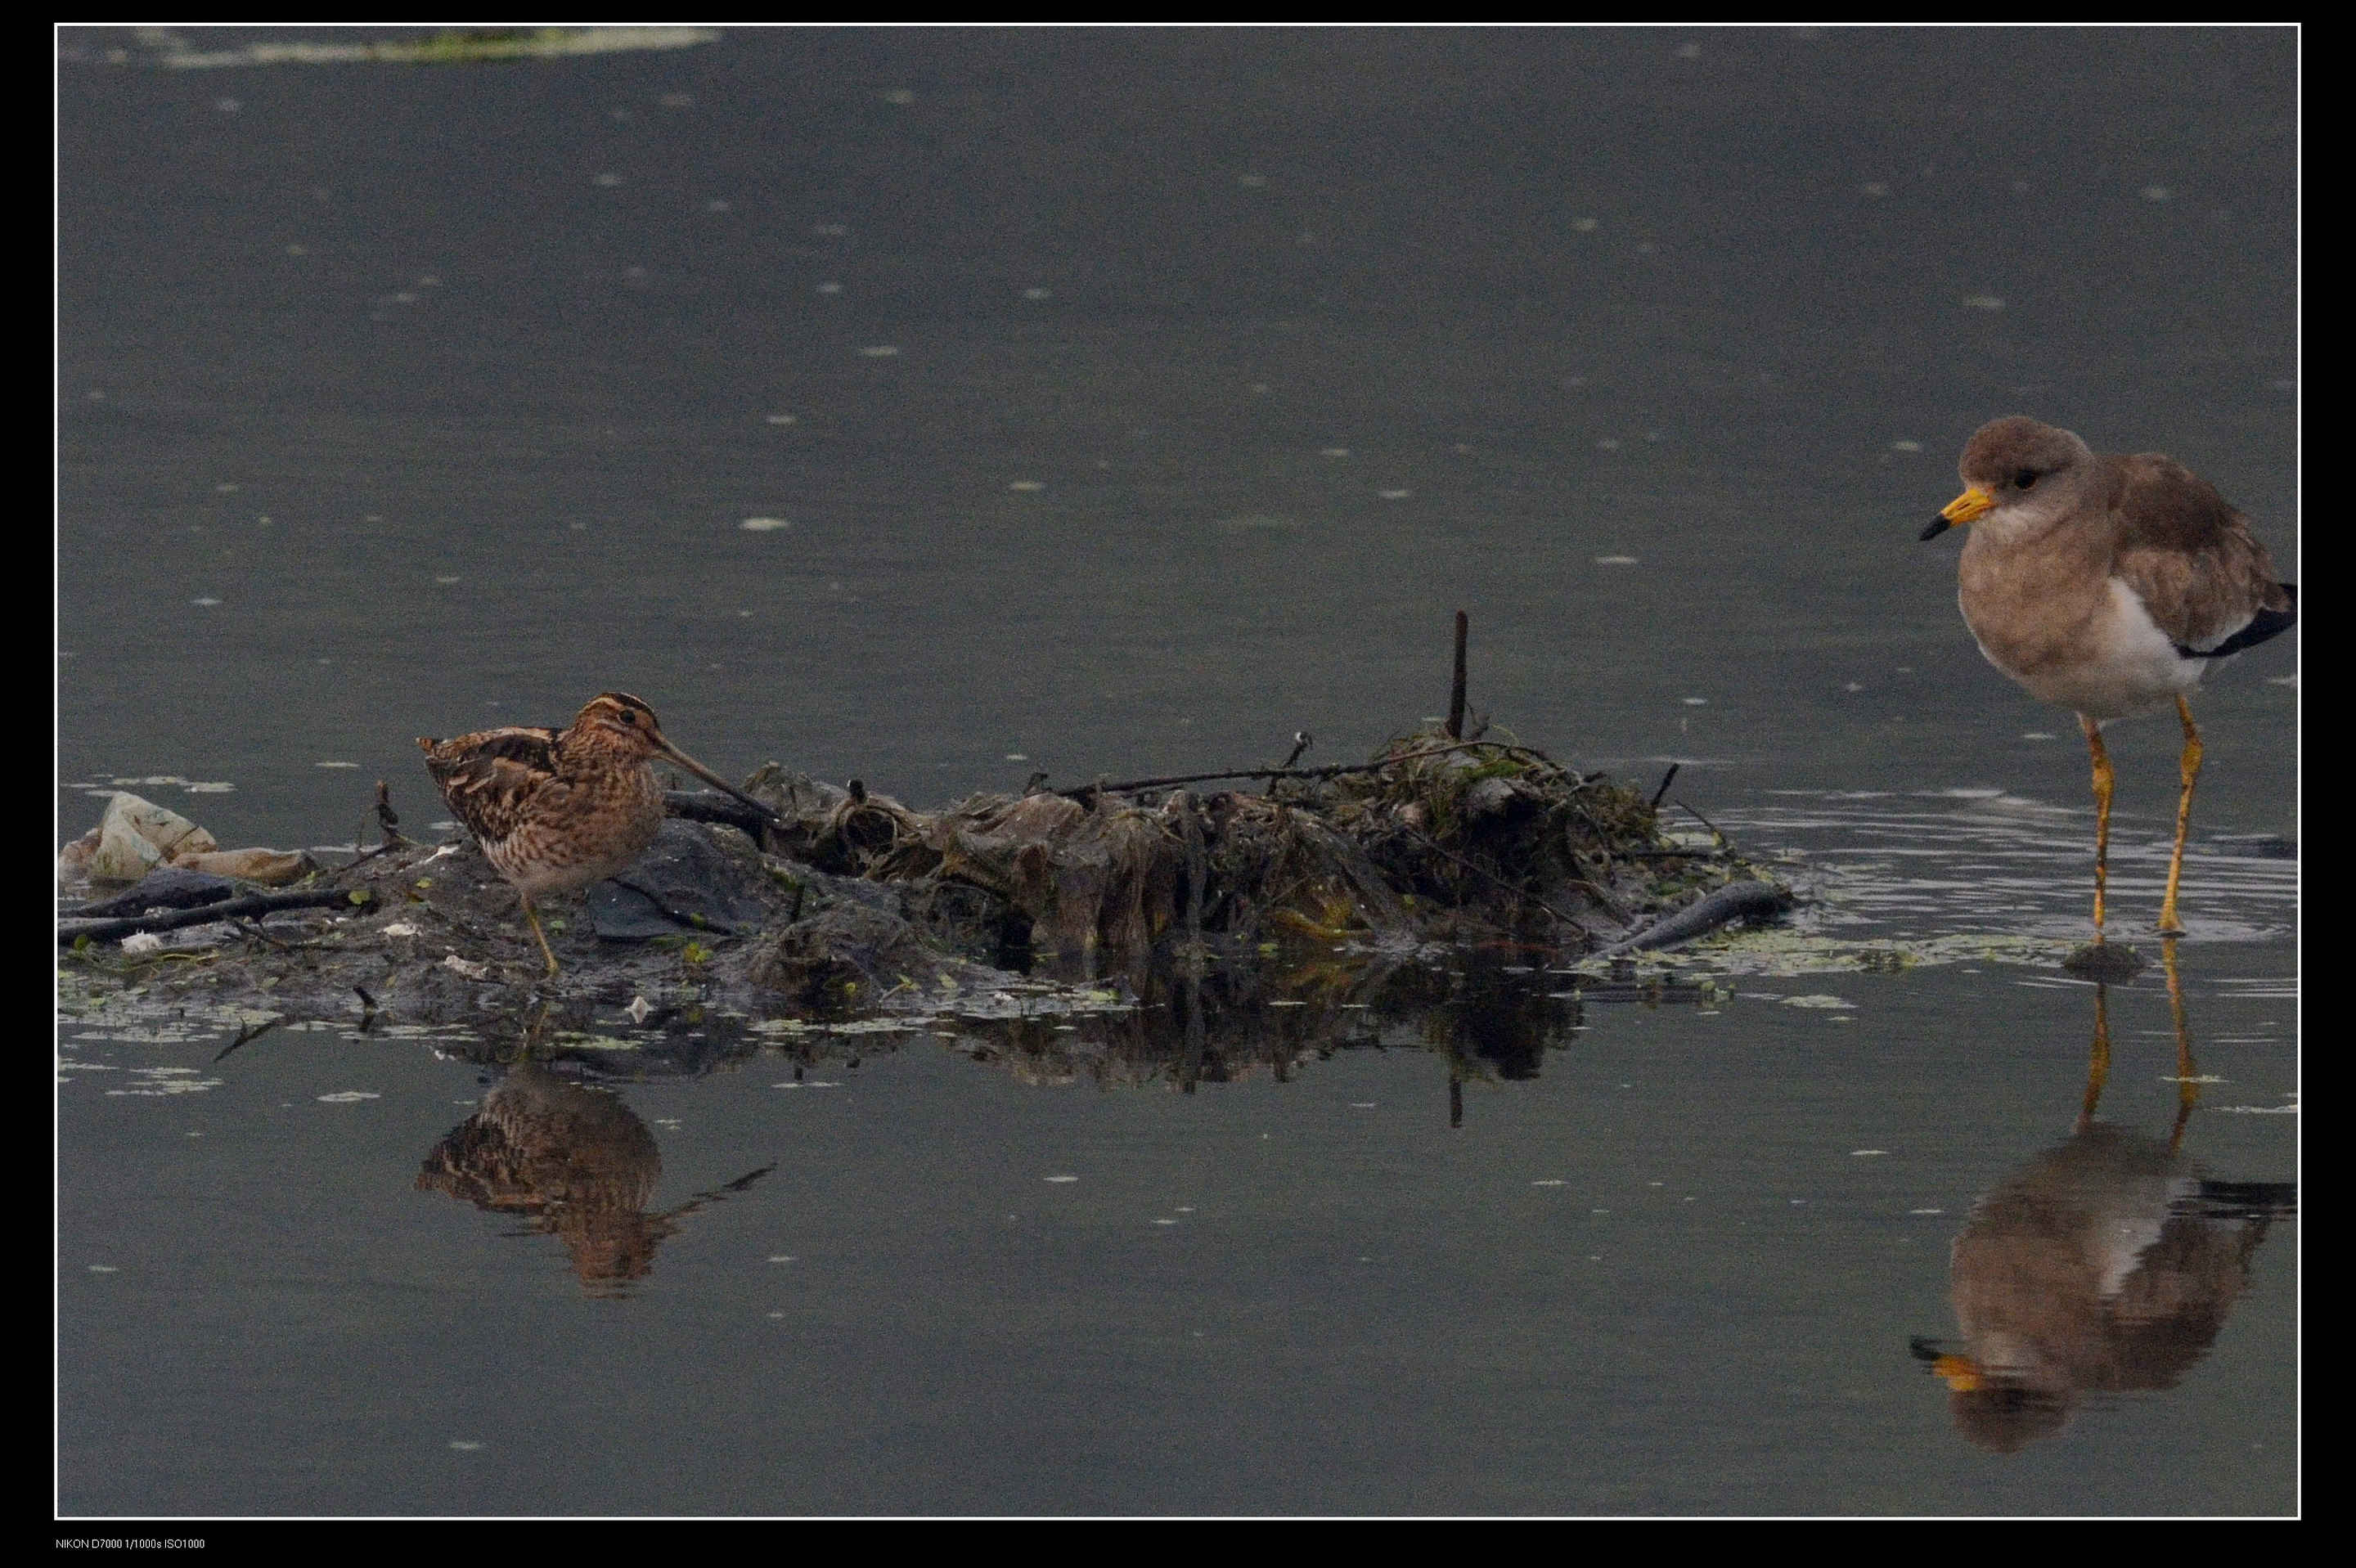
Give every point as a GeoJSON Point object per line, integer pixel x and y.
{"type": "Point", "coordinates": [2106, 1264]}
{"type": "Point", "coordinates": [576, 1162]}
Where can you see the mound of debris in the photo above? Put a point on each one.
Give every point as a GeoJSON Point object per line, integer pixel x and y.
{"type": "Point", "coordinates": [854, 901]}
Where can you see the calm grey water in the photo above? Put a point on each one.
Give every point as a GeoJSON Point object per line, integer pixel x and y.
{"type": "Point", "coordinates": [1123, 402]}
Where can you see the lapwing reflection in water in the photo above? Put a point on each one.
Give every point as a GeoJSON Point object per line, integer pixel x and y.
{"type": "Point", "coordinates": [2105, 1265]}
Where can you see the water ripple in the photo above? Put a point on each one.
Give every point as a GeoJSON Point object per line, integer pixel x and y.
{"type": "Point", "coordinates": [1953, 863]}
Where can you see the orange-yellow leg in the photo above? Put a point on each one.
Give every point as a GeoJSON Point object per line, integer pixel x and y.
{"type": "Point", "coordinates": [2103, 781]}
{"type": "Point", "coordinates": [2190, 768]}
{"type": "Point", "coordinates": [533, 915]}
{"type": "Point", "coordinates": [2098, 1059]}
{"type": "Point", "coordinates": [2187, 1072]}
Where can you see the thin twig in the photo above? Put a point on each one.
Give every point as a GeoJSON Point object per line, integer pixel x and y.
{"type": "Point", "coordinates": [1480, 871]}
{"type": "Point", "coordinates": [389, 823]}
{"type": "Point", "coordinates": [1602, 889]}
{"type": "Point", "coordinates": [1720, 853]}
{"type": "Point", "coordinates": [1300, 744]}
{"type": "Point", "coordinates": [1705, 821]}
{"type": "Point", "coordinates": [365, 855]}
{"type": "Point", "coordinates": [385, 818]}
{"type": "Point", "coordinates": [250, 1032]}
{"type": "Point", "coordinates": [1456, 687]}
{"type": "Point", "coordinates": [1334, 770]}
{"type": "Point", "coordinates": [253, 928]}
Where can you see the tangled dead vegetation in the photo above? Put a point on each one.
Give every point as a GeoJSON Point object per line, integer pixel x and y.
{"type": "Point", "coordinates": [851, 901]}
{"type": "Point", "coordinates": [1433, 839]}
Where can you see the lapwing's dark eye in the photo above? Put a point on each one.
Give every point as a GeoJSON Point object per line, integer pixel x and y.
{"type": "Point", "coordinates": [2025, 478]}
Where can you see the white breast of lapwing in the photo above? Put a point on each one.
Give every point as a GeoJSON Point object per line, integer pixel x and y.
{"type": "Point", "coordinates": [2124, 665]}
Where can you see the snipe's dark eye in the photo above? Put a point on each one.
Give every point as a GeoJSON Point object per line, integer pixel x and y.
{"type": "Point", "coordinates": [628, 717]}
{"type": "Point", "coordinates": [2024, 479]}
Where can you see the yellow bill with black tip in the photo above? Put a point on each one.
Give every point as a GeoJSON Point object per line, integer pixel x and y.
{"type": "Point", "coordinates": [1973, 502]}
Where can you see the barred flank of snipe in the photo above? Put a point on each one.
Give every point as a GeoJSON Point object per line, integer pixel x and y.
{"type": "Point", "coordinates": [559, 809]}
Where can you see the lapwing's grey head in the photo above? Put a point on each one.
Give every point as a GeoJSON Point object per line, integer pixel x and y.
{"type": "Point", "coordinates": [2017, 472]}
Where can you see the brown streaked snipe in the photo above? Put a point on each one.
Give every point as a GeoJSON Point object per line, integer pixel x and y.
{"type": "Point", "coordinates": [558, 809]}
{"type": "Point", "coordinates": [2107, 583]}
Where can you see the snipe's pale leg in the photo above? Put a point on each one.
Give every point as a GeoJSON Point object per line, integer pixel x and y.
{"type": "Point", "coordinates": [533, 915]}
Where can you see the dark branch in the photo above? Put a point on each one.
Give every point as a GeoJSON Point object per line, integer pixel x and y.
{"type": "Point", "coordinates": [205, 914]}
